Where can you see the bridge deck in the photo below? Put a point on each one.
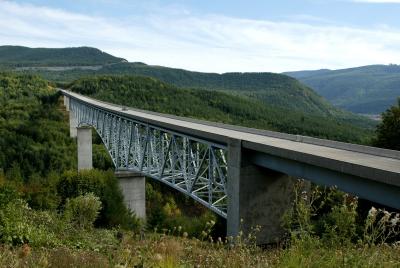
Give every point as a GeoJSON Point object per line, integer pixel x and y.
{"type": "Point", "coordinates": [362, 161]}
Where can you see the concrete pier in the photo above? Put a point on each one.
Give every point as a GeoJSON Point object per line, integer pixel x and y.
{"type": "Point", "coordinates": [256, 196]}
{"type": "Point", "coordinates": [84, 148]}
{"type": "Point", "coordinates": [66, 103]}
{"type": "Point", "coordinates": [133, 186]}
{"type": "Point", "coordinates": [73, 125]}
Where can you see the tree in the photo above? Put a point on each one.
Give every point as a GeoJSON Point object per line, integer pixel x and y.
{"type": "Point", "coordinates": [388, 131]}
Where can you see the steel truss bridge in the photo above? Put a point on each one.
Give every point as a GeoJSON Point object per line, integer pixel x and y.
{"type": "Point", "coordinates": [194, 166]}
{"type": "Point", "coordinates": [239, 173]}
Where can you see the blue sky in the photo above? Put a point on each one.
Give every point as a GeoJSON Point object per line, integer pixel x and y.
{"type": "Point", "coordinates": [215, 36]}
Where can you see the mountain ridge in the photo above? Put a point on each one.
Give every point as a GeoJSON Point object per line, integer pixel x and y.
{"type": "Point", "coordinates": [21, 56]}
{"type": "Point", "coordinates": [367, 89]}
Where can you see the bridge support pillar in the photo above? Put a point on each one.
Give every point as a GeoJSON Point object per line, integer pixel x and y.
{"type": "Point", "coordinates": [73, 125]}
{"type": "Point", "coordinates": [133, 189]}
{"type": "Point", "coordinates": [66, 103]}
{"type": "Point", "coordinates": [84, 148]}
{"type": "Point", "coordinates": [256, 197]}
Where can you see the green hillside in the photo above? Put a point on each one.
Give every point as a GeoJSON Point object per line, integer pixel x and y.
{"type": "Point", "coordinates": [368, 89]}
{"type": "Point", "coordinates": [152, 94]}
{"type": "Point", "coordinates": [18, 56]}
{"type": "Point", "coordinates": [280, 91]}
{"type": "Point", "coordinates": [272, 89]}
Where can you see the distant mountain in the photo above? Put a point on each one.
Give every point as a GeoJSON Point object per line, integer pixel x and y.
{"type": "Point", "coordinates": [18, 56]}
{"type": "Point", "coordinates": [368, 89]}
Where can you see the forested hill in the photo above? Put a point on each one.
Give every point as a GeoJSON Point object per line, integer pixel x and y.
{"type": "Point", "coordinates": [272, 89]}
{"type": "Point", "coordinates": [152, 94]}
{"type": "Point", "coordinates": [368, 89]}
{"type": "Point", "coordinates": [18, 56]}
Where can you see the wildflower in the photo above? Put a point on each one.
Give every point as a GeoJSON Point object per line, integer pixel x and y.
{"type": "Point", "coordinates": [158, 257]}
{"type": "Point", "coordinates": [372, 212]}
{"type": "Point", "coordinates": [185, 234]}
{"type": "Point", "coordinates": [395, 220]}
{"type": "Point", "coordinates": [386, 216]}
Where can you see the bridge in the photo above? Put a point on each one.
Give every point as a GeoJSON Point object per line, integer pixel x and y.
{"type": "Point", "coordinates": [239, 173]}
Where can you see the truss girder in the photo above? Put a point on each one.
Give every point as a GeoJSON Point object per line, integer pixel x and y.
{"type": "Point", "coordinates": [195, 167]}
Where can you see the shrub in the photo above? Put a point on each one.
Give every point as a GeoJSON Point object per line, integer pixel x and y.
{"type": "Point", "coordinates": [7, 195]}
{"type": "Point", "coordinates": [104, 185]}
{"type": "Point", "coordinates": [83, 210]}
{"type": "Point", "coordinates": [19, 224]}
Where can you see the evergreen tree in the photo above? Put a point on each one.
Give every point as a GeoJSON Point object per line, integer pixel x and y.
{"type": "Point", "coordinates": [388, 131]}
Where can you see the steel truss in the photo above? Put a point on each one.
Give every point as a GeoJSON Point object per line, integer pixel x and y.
{"type": "Point", "coordinates": [195, 167]}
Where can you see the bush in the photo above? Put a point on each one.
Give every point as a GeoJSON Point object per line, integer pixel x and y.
{"type": "Point", "coordinates": [104, 185]}
{"type": "Point", "coordinates": [19, 224]}
{"type": "Point", "coordinates": [83, 210]}
{"type": "Point", "coordinates": [7, 195]}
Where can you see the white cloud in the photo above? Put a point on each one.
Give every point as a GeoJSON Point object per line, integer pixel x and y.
{"type": "Point", "coordinates": [209, 43]}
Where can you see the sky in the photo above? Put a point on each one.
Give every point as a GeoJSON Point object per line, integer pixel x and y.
{"type": "Point", "coordinates": [214, 35]}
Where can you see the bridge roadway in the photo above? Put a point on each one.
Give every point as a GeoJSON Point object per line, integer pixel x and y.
{"type": "Point", "coordinates": [371, 173]}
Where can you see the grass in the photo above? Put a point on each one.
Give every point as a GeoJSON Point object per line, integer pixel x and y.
{"type": "Point", "coordinates": [159, 250]}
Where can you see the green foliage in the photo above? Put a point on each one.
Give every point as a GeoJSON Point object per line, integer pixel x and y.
{"type": "Point", "coordinates": [19, 225]}
{"type": "Point", "coordinates": [82, 210]}
{"type": "Point", "coordinates": [8, 194]}
{"type": "Point", "coordinates": [151, 94]}
{"type": "Point", "coordinates": [389, 129]}
{"type": "Point", "coordinates": [18, 56]}
{"type": "Point", "coordinates": [330, 219]}
{"type": "Point", "coordinates": [368, 89]}
{"type": "Point", "coordinates": [33, 132]}
{"type": "Point", "coordinates": [173, 213]}
{"type": "Point", "coordinates": [104, 185]}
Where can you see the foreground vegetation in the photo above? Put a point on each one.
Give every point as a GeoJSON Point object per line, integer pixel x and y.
{"type": "Point", "coordinates": [53, 216]}
{"type": "Point", "coordinates": [68, 239]}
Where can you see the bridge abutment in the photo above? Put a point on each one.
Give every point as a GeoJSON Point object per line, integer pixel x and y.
{"type": "Point", "coordinates": [256, 197]}
{"type": "Point", "coordinates": [133, 186]}
{"type": "Point", "coordinates": [84, 135]}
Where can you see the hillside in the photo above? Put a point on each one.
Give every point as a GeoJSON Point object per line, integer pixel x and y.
{"type": "Point", "coordinates": [151, 94]}
{"type": "Point", "coordinates": [280, 91]}
{"type": "Point", "coordinates": [272, 89]}
{"type": "Point", "coordinates": [368, 89]}
{"type": "Point", "coordinates": [18, 56]}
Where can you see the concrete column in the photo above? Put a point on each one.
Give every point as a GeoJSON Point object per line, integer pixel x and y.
{"type": "Point", "coordinates": [256, 196]}
{"type": "Point", "coordinates": [66, 103]}
{"type": "Point", "coordinates": [73, 124]}
{"type": "Point", "coordinates": [84, 148]}
{"type": "Point", "coordinates": [133, 189]}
